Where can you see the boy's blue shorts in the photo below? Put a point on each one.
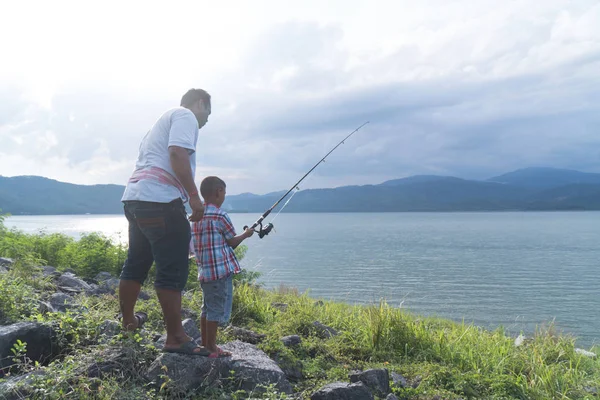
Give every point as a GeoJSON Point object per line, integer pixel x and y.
{"type": "Point", "coordinates": [217, 300]}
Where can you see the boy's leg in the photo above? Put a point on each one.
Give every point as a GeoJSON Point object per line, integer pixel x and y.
{"type": "Point", "coordinates": [203, 320]}
{"type": "Point", "coordinates": [228, 301]}
{"type": "Point", "coordinates": [214, 293]}
{"type": "Point", "coordinates": [135, 270]}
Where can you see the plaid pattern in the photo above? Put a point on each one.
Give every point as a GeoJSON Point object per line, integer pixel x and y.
{"type": "Point", "coordinates": [214, 257]}
{"type": "Point", "coordinates": [161, 176]}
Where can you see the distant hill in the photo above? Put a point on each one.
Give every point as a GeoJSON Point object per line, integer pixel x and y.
{"type": "Point", "coordinates": [38, 195]}
{"type": "Point", "coordinates": [525, 189]}
{"type": "Point", "coordinates": [546, 178]}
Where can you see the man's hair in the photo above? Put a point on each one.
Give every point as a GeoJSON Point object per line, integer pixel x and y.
{"type": "Point", "coordinates": [193, 95]}
{"type": "Point", "coordinates": [210, 184]}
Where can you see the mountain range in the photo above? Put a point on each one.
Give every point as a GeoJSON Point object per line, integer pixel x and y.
{"type": "Point", "coordinates": [524, 189]}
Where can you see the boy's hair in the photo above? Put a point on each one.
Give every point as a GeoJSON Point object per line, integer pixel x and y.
{"type": "Point", "coordinates": [210, 184]}
{"type": "Point", "coordinates": [193, 95]}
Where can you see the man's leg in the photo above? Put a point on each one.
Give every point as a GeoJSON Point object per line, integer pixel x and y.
{"type": "Point", "coordinates": [135, 270]}
{"type": "Point", "coordinates": [171, 254]}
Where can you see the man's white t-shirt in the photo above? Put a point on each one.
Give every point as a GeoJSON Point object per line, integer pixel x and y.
{"type": "Point", "coordinates": [176, 127]}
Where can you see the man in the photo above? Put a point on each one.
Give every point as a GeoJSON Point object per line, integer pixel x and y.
{"type": "Point", "coordinates": [159, 230]}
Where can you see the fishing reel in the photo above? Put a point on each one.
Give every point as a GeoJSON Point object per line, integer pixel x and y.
{"type": "Point", "coordinates": [262, 232]}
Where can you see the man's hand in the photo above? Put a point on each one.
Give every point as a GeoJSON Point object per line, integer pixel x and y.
{"type": "Point", "coordinates": [248, 232]}
{"type": "Point", "coordinates": [197, 208]}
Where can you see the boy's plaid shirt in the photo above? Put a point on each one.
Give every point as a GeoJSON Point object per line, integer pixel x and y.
{"type": "Point", "coordinates": [214, 257]}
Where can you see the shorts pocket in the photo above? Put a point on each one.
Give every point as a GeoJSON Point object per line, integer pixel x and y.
{"type": "Point", "coordinates": [152, 224]}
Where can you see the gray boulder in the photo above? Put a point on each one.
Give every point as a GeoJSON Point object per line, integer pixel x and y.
{"type": "Point", "coordinates": [103, 276]}
{"type": "Point", "coordinates": [107, 330]}
{"type": "Point", "coordinates": [251, 368]}
{"type": "Point", "coordinates": [68, 282]}
{"type": "Point", "coordinates": [39, 338]}
{"type": "Point", "coordinates": [391, 397]}
{"type": "Point", "coordinates": [324, 331]}
{"type": "Point", "coordinates": [399, 380]}
{"type": "Point", "coordinates": [246, 335]}
{"type": "Point", "coordinates": [19, 387]}
{"type": "Point", "coordinates": [378, 380]}
{"type": "Point", "coordinates": [585, 353]}
{"type": "Point", "coordinates": [48, 271]}
{"type": "Point", "coordinates": [292, 340]}
{"type": "Point", "coordinates": [191, 329]}
{"type": "Point", "coordinates": [61, 302]}
{"type": "Point", "coordinates": [343, 391]}
{"type": "Point", "coordinates": [6, 262]}
{"type": "Point", "coordinates": [283, 307]}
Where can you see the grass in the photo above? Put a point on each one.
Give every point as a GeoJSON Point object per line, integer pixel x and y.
{"type": "Point", "coordinates": [448, 359]}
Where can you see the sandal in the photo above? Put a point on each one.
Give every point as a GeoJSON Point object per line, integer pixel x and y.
{"type": "Point", "coordinates": [220, 354]}
{"type": "Point", "coordinates": [141, 317]}
{"type": "Point", "coordinates": [188, 348]}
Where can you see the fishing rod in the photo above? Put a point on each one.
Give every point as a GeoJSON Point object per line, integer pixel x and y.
{"type": "Point", "coordinates": [262, 232]}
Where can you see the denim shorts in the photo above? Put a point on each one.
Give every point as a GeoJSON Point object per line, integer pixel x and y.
{"type": "Point", "coordinates": [159, 233]}
{"type": "Point", "coordinates": [217, 300]}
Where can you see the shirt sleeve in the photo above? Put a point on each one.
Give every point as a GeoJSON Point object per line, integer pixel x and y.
{"type": "Point", "coordinates": [184, 130]}
{"type": "Point", "coordinates": [226, 227]}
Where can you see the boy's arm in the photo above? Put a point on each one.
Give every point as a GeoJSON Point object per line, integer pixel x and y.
{"type": "Point", "coordinates": [228, 232]}
{"type": "Point", "coordinates": [236, 240]}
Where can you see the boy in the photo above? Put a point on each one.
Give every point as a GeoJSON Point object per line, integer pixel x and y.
{"type": "Point", "coordinates": [214, 239]}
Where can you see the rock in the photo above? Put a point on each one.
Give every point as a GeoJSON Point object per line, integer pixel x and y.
{"type": "Point", "coordinates": [591, 390]}
{"type": "Point", "coordinates": [45, 307]}
{"type": "Point", "coordinates": [343, 391]}
{"type": "Point", "coordinates": [399, 380]}
{"type": "Point", "coordinates": [19, 387]}
{"type": "Point", "coordinates": [251, 367]}
{"type": "Point", "coordinates": [417, 382]}
{"type": "Point", "coordinates": [3, 269]}
{"type": "Point", "coordinates": [103, 276]}
{"type": "Point", "coordinates": [6, 262]}
{"type": "Point", "coordinates": [246, 335]}
{"type": "Point", "coordinates": [292, 340]}
{"type": "Point", "coordinates": [391, 397]}
{"type": "Point", "coordinates": [143, 295]}
{"type": "Point", "coordinates": [39, 338]}
{"type": "Point", "coordinates": [187, 313]}
{"type": "Point", "coordinates": [324, 331]}
{"type": "Point", "coordinates": [48, 271]}
{"type": "Point", "coordinates": [61, 302]}
{"type": "Point", "coordinates": [586, 353]}
{"type": "Point", "coordinates": [191, 328]}
{"type": "Point", "coordinates": [292, 369]}
{"type": "Point", "coordinates": [160, 342]}
{"type": "Point", "coordinates": [378, 380]}
{"type": "Point", "coordinates": [111, 284]}
{"type": "Point", "coordinates": [110, 361]}
{"type": "Point", "coordinates": [68, 282]}
{"type": "Point", "coordinates": [108, 329]}
{"type": "Point", "coordinates": [520, 340]}
{"type": "Point", "coordinates": [283, 307]}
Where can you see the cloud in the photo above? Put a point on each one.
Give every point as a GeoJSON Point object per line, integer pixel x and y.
{"type": "Point", "coordinates": [466, 88]}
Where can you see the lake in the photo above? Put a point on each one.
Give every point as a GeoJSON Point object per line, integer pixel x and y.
{"type": "Point", "coordinates": [515, 269]}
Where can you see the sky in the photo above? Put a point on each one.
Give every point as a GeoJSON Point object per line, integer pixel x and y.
{"type": "Point", "coordinates": [468, 88]}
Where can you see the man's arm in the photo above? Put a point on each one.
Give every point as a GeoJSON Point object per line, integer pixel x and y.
{"type": "Point", "coordinates": [180, 162]}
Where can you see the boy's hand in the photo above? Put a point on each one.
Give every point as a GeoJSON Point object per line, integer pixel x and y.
{"type": "Point", "coordinates": [248, 232]}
